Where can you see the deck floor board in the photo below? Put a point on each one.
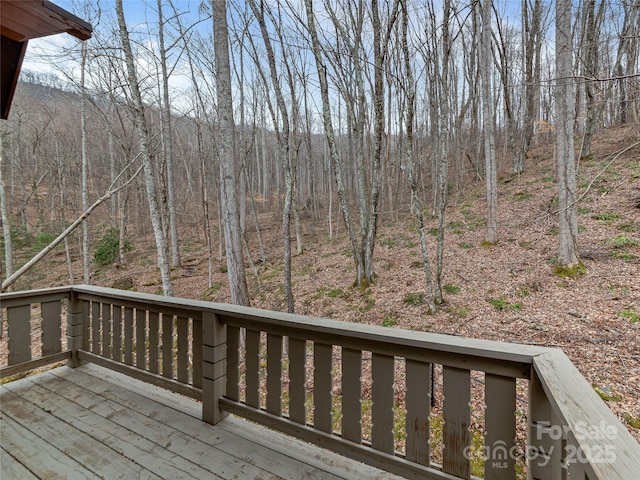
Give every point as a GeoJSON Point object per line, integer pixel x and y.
{"type": "Point", "coordinates": [90, 422]}
{"type": "Point", "coordinates": [69, 440]}
{"type": "Point", "coordinates": [12, 468]}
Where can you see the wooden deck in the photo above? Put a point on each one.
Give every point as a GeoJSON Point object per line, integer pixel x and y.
{"type": "Point", "coordinates": [91, 422]}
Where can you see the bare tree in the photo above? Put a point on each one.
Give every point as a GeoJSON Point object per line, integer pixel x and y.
{"type": "Point", "coordinates": [349, 69]}
{"type": "Point", "coordinates": [532, 41]}
{"type": "Point", "coordinates": [437, 52]}
{"type": "Point", "coordinates": [226, 149]}
{"type": "Point", "coordinates": [410, 167]}
{"type": "Point", "coordinates": [621, 72]}
{"type": "Point", "coordinates": [565, 120]}
{"type": "Point", "coordinates": [142, 130]}
{"type": "Point", "coordinates": [167, 142]}
{"type": "Point", "coordinates": [491, 175]}
{"type": "Point", "coordinates": [86, 274]}
{"type": "Point", "coordinates": [6, 225]}
{"type": "Point", "coordinates": [283, 136]}
{"type": "Point", "coordinates": [334, 156]}
{"type": "Point", "coordinates": [507, 50]}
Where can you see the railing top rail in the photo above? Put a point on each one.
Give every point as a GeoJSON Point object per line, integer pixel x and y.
{"type": "Point", "coordinates": [243, 316]}
{"type": "Point", "coordinates": [591, 426]}
{"type": "Point", "coordinates": [138, 297]}
{"type": "Point", "coordinates": [287, 323]}
{"type": "Point", "coordinates": [22, 297]}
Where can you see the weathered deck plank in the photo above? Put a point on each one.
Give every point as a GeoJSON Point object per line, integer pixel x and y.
{"type": "Point", "coordinates": [25, 446]}
{"type": "Point", "coordinates": [132, 446]}
{"type": "Point", "coordinates": [95, 423]}
{"type": "Point", "coordinates": [199, 435]}
{"type": "Point", "coordinates": [89, 452]}
{"type": "Point", "coordinates": [11, 468]}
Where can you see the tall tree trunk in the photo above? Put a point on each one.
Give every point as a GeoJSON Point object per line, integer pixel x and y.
{"type": "Point", "coordinates": [6, 225]}
{"type": "Point", "coordinates": [442, 152]}
{"type": "Point", "coordinates": [507, 80]}
{"type": "Point", "coordinates": [380, 44]}
{"type": "Point", "coordinates": [122, 234]}
{"type": "Point", "coordinates": [86, 274]}
{"type": "Point", "coordinates": [565, 120]}
{"type": "Point", "coordinates": [626, 38]}
{"type": "Point", "coordinates": [334, 156]}
{"type": "Point", "coordinates": [167, 143]}
{"type": "Point", "coordinates": [112, 161]}
{"type": "Point", "coordinates": [283, 136]}
{"type": "Point", "coordinates": [590, 65]}
{"type": "Point", "coordinates": [141, 128]}
{"type": "Point", "coordinates": [491, 176]}
{"type": "Point", "coordinates": [532, 45]}
{"type": "Point", "coordinates": [201, 118]}
{"type": "Point", "coordinates": [410, 92]}
{"type": "Point", "coordinates": [226, 150]}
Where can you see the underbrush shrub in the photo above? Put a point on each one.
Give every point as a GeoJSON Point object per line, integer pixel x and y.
{"type": "Point", "coordinates": [107, 248]}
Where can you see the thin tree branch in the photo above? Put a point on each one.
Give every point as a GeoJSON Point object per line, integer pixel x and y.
{"type": "Point", "coordinates": [110, 192]}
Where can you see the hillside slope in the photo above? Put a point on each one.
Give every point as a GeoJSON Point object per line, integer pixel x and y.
{"type": "Point", "coordinates": [505, 292]}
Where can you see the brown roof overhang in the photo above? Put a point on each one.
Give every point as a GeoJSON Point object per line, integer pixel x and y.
{"type": "Point", "coordinates": [22, 20]}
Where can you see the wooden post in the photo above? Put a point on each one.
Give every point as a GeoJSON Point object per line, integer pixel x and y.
{"type": "Point", "coordinates": [214, 368]}
{"type": "Point", "coordinates": [75, 327]}
{"type": "Point", "coordinates": [545, 443]}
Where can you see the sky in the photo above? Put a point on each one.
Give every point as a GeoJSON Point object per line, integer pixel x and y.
{"type": "Point", "coordinates": [44, 54]}
{"type": "Point", "coordinates": [138, 14]}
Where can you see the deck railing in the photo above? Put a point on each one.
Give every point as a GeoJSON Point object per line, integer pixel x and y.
{"type": "Point", "coordinates": [360, 390]}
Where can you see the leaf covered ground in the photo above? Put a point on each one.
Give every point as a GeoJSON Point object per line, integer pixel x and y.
{"type": "Point", "coordinates": [506, 292]}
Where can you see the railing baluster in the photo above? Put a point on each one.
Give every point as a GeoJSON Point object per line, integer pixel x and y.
{"type": "Point", "coordinates": [196, 353]}
{"type": "Point", "coordinates": [167, 345]}
{"type": "Point", "coordinates": [106, 330]}
{"type": "Point", "coordinates": [382, 396]}
{"type": "Point", "coordinates": [500, 426]}
{"type": "Point", "coordinates": [141, 338]}
{"type": "Point", "coordinates": [252, 381]}
{"type": "Point", "coordinates": [95, 327]}
{"type": "Point", "coordinates": [418, 404]}
{"type": "Point", "coordinates": [51, 327]}
{"type": "Point", "coordinates": [322, 399]}
{"type": "Point", "coordinates": [352, 395]}
{"type": "Point", "coordinates": [19, 330]}
{"type": "Point", "coordinates": [297, 380]}
{"type": "Point", "coordinates": [128, 335]}
{"type": "Point", "coordinates": [576, 469]}
{"type": "Point", "coordinates": [456, 437]}
{"type": "Point", "coordinates": [116, 353]}
{"type": "Point", "coordinates": [274, 374]}
{"type": "Point", "coordinates": [183, 349]}
{"type": "Point", "coordinates": [154, 327]}
{"type": "Point", "coordinates": [86, 325]}
{"type": "Point", "coordinates": [233, 363]}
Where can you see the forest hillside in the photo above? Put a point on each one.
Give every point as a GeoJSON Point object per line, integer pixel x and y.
{"type": "Point", "coordinates": [506, 292]}
{"type": "Point", "coordinates": [461, 168]}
